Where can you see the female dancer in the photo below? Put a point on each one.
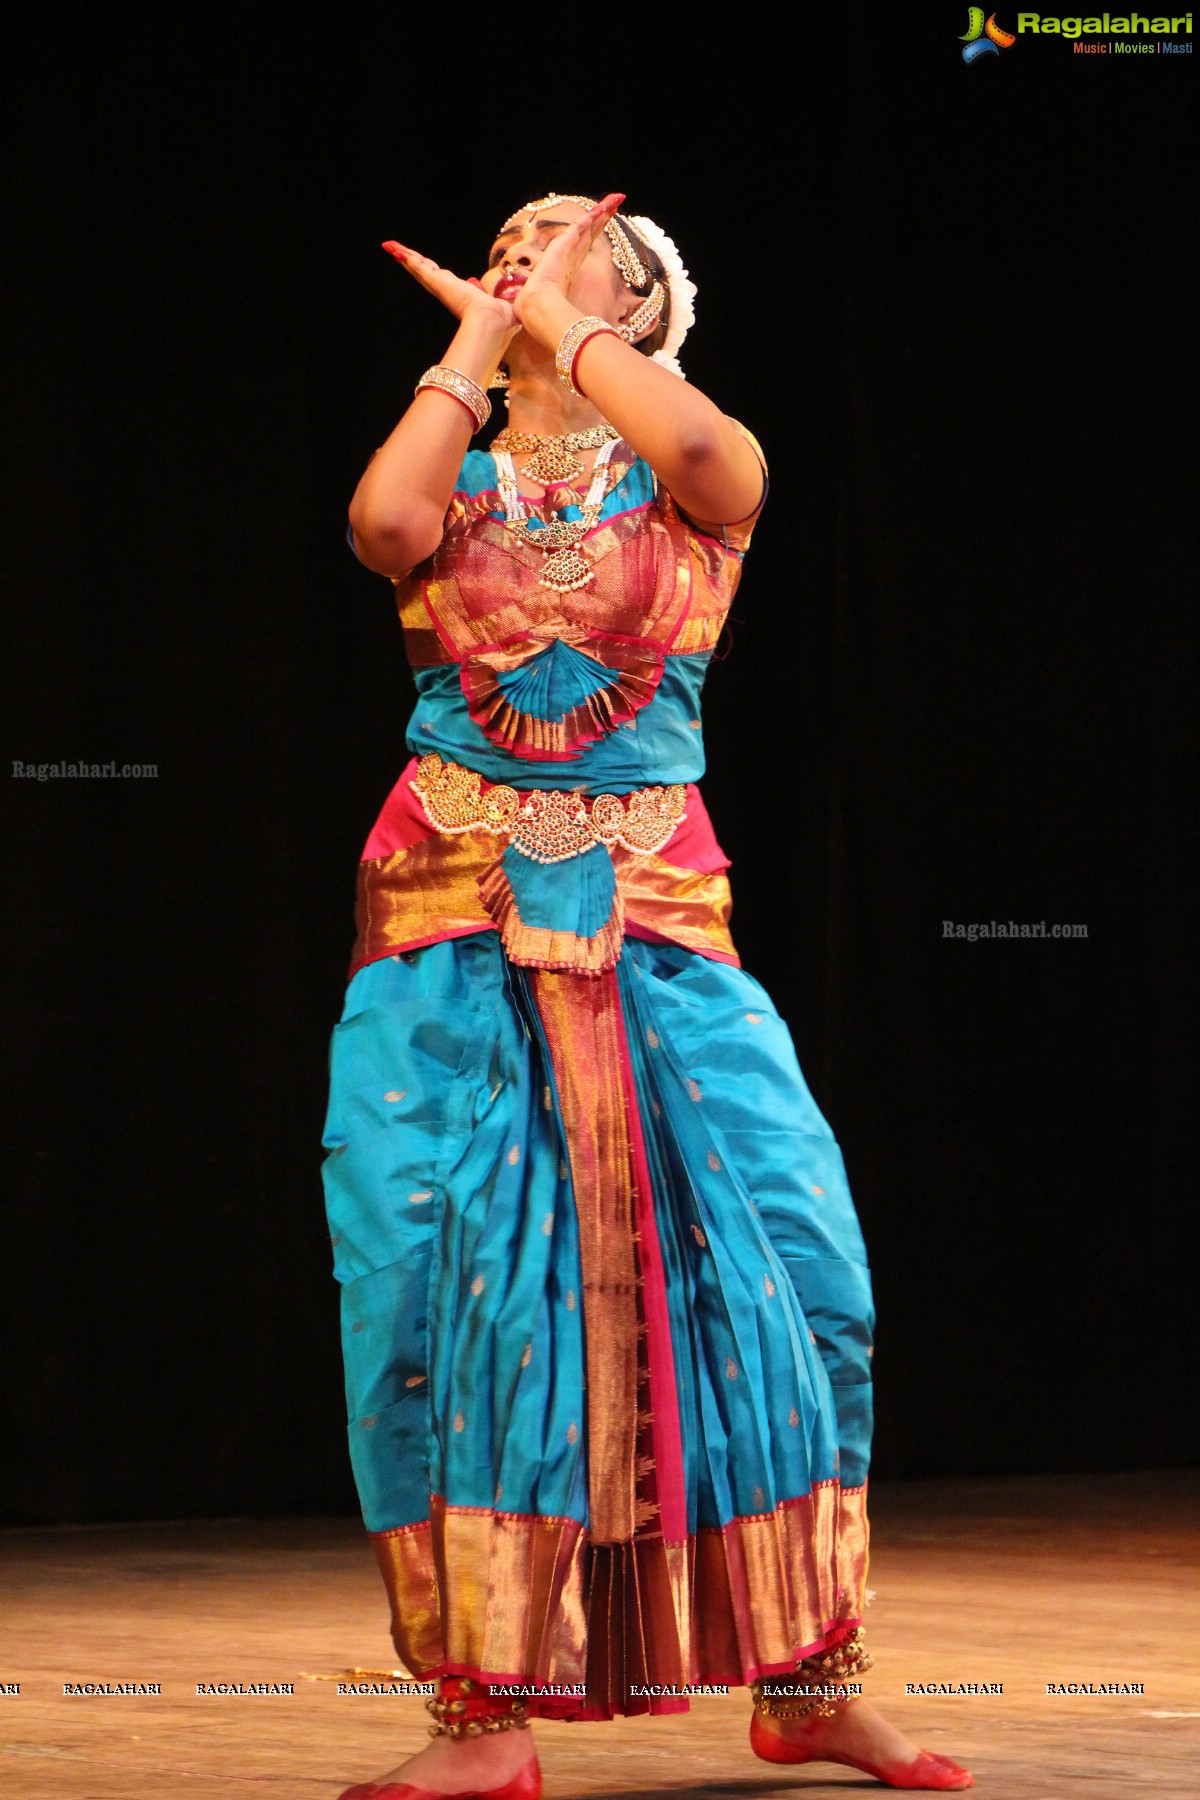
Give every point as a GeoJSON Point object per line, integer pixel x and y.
{"type": "Point", "coordinates": [606, 1309]}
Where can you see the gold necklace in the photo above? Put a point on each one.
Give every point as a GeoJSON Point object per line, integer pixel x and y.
{"type": "Point", "coordinates": [566, 568]}
{"type": "Point", "coordinates": [553, 460]}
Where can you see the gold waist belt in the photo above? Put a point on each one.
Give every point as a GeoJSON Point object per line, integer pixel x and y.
{"type": "Point", "coordinates": [551, 824]}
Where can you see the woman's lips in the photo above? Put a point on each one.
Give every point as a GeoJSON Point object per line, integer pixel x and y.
{"type": "Point", "coordinates": [509, 285]}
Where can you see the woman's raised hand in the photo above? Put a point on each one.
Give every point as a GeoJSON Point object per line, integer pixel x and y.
{"type": "Point", "coordinates": [563, 257]}
{"type": "Point", "coordinates": [455, 294]}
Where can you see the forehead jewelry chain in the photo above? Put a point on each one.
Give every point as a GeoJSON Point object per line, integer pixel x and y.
{"type": "Point", "coordinates": [623, 252]}
{"type": "Point", "coordinates": [566, 567]}
{"type": "Point", "coordinates": [553, 459]}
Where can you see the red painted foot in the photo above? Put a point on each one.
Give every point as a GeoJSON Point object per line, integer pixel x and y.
{"type": "Point", "coordinates": [928, 1770]}
{"type": "Point", "coordinates": [526, 1784]}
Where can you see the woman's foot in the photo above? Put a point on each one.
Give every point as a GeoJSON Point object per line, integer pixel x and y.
{"type": "Point", "coordinates": [463, 1765]}
{"type": "Point", "coordinates": [860, 1737]}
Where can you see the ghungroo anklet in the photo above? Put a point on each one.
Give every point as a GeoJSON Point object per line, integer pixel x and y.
{"type": "Point", "coordinates": [464, 1708]}
{"type": "Point", "coordinates": [818, 1685]}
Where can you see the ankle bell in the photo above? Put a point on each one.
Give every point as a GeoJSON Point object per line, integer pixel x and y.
{"type": "Point", "coordinates": [465, 1708]}
{"type": "Point", "coordinates": [819, 1682]}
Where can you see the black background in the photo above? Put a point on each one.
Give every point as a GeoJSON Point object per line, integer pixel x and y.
{"type": "Point", "coordinates": [949, 301]}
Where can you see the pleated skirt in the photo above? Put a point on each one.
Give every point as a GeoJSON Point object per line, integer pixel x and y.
{"type": "Point", "coordinates": [606, 1324]}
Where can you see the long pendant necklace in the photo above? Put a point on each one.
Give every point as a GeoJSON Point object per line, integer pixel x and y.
{"type": "Point", "coordinates": [552, 459]}
{"type": "Point", "coordinates": [566, 568]}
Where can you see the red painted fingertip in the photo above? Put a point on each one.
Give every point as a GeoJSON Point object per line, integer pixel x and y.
{"type": "Point", "coordinates": [394, 249]}
{"type": "Point", "coordinates": [474, 281]}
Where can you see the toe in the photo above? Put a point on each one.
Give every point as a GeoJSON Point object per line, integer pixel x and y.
{"type": "Point", "coordinates": [955, 1777]}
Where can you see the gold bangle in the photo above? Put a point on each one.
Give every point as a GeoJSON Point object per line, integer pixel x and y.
{"type": "Point", "coordinates": [571, 343]}
{"type": "Point", "coordinates": [453, 381]}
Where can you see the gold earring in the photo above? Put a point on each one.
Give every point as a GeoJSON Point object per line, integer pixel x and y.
{"type": "Point", "coordinates": [646, 316]}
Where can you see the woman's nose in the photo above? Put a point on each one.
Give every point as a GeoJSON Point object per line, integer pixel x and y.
{"type": "Point", "coordinates": [519, 256]}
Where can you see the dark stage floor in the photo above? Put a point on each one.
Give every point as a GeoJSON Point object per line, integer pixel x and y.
{"type": "Point", "coordinates": [1026, 1582]}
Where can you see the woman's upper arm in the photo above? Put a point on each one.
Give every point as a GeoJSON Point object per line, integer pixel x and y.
{"type": "Point", "coordinates": [736, 529]}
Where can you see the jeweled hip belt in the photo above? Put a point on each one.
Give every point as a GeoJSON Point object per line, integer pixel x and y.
{"type": "Point", "coordinates": [551, 824]}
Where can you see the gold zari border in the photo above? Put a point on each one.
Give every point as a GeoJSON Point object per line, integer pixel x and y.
{"type": "Point", "coordinates": [511, 1595]}
{"type": "Point", "coordinates": [581, 1021]}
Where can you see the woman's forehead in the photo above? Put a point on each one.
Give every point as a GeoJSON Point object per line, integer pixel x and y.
{"type": "Point", "coordinates": [555, 207]}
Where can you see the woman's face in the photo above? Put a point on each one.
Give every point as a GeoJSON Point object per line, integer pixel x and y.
{"type": "Point", "coordinates": [598, 287]}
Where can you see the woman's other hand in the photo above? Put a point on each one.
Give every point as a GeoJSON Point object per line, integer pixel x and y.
{"type": "Point", "coordinates": [456, 295]}
{"type": "Point", "coordinates": [562, 259]}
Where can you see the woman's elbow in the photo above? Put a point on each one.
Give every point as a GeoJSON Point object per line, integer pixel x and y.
{"type": "Point", "coordinates": [392, 547]}
{"type": "Point", "coordinates": [699, 448]}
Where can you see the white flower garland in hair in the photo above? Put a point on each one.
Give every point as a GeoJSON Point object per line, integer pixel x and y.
{"type": "Point", "coordinates": [682, 291]}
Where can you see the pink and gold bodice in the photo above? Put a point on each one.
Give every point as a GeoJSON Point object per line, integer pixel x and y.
{"type": "Point", "coordinates": [589, 694]}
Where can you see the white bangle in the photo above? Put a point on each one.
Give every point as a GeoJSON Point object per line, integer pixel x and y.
{"type": "Point", "coordinates": [571, 343]}
{"type": "Point", "coordinates": [453, 381]}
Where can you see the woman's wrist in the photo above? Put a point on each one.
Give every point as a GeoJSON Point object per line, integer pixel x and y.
{"type": "Point", "coordinates": [478, 344]}
{"type": "Point", "coordinates": [546, 314]}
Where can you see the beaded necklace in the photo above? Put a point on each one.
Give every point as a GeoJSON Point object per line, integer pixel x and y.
{"type": "Point", "coordinates": [566, 568]}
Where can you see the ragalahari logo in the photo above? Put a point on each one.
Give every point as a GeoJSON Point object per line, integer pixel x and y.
{"type": "Point", "coordinates": [982, 39]}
